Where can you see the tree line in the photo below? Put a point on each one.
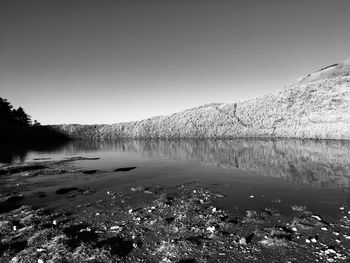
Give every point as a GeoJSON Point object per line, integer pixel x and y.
{"type": "Point", "coordinates": [11, 116]}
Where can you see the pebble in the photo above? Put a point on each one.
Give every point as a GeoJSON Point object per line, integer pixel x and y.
{"type": "Point", "coordinates": [242, 241]}
{"type": "Point", "coordinates": [317, 217]}
{"type": "Point", "coordinates": [324, 228]}
{"type": "Point", "coordinates": [330, 251]}
{"type": "Point", "coordinates": [211, 229]}
{"type": "Point", "coordinates": [54, 222]}
{"type": "Point", "coordinates": [307, 241]}
{"type": "Point", "coordinates": [138, 189]}
{"type": "Point", "coordinates": [251, 196]}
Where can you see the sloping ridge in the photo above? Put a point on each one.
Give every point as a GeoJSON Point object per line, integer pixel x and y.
{"type": "Point", "coordinates": [315, 106]}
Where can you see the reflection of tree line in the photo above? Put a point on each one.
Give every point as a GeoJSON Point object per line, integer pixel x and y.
{"type": "Point", "coordinates": [320, 163]}
{"type": "Point", "coordinates": [18, 152]}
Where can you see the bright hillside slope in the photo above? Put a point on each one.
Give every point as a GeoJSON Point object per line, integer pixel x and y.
{"type": "Point", "coordinates": [315, 106]}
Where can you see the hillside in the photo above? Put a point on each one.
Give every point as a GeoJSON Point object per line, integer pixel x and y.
{"type": "Point", "coordinates": [315, 106]}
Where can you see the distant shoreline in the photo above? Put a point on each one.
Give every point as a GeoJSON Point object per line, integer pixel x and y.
{"type": "Point", "coordinates": [319, 110]}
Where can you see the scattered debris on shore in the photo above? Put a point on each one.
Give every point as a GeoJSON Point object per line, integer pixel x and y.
{"type": "Point", "coordinates": [171, 224]}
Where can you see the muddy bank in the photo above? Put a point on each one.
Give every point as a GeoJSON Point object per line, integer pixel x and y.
{"type": "Point", "coordinates": [171, 224]}
{"type": "Point", "coordinates": [23, 183]}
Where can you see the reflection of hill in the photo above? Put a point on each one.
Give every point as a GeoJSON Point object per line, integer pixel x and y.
{"type": "Point", "coordinates": [324, 164]}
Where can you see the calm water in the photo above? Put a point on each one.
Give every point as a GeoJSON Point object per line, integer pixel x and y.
{"type": "Point", "coordinates": [277, 173]}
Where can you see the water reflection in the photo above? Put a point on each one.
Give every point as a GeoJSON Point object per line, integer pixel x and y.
{"type": "Point", "coordinates": [324, 164]}
{"type": "Point", "coordinates": [10, 153]}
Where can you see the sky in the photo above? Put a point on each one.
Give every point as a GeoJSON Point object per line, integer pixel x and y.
{"type": "Point", "coordinates": [93, 62]}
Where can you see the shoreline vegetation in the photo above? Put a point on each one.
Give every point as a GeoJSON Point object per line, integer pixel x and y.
{"type": "Point", "coordinates": [314, 107]}
{"type": "Point", "coordinates": [18, 128]}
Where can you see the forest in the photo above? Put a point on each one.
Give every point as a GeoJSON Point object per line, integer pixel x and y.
{"type": "Point", "coordinates": [11, 116]}
{"type": "Point", "coordinates": [18, 127]}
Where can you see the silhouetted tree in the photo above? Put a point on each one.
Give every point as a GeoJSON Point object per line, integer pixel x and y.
{"type": "Point", "coordinates": [10, 116]}
{"type": "Point", "coordinates": [5, 112]}
{"type": "Point", "coordinates": [36, 123]}
{"type": "Point", "coordinates": [21, 118]}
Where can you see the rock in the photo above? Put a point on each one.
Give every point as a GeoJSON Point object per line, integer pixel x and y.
{"type": "Point", "coordinates": [298, 208]}
{"type": "Point", "coordinates": [63, 191]}
{"type": "Point", "coordinates": [124, 169]}
{"type": "Point", "coordinates": [242, 241]}
{"type": "Point", "coordinates": [211, 229]}
{"type": "Point", "coordinates": [138, 189]}
{"type": "Point", "coordinates": [317, 217]}
{"type": "Point", "coordinates": [117, 228]}
{"type": "Point", "coordinates": [89, 192]}
{"type": "Point", "coordinates": [273, 242]}
{"type": "Point", "coordinates": [89, 171]}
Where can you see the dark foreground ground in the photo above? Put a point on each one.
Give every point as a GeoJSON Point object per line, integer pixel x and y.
{"type": "Point", "coordinates": [163, 224]}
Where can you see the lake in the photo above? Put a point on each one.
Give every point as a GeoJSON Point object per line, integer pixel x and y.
{"type": "Point", "coordinates": [248, 173]}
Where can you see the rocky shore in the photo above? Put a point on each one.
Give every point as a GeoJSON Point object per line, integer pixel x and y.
{"type": "Point", "coordinates": [171, 224]}
{"type": "Point", "coordinates": [142, 223]}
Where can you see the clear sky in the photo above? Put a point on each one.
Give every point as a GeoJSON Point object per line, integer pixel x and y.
{"type": "Point", "coordinates": [69, 61]}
